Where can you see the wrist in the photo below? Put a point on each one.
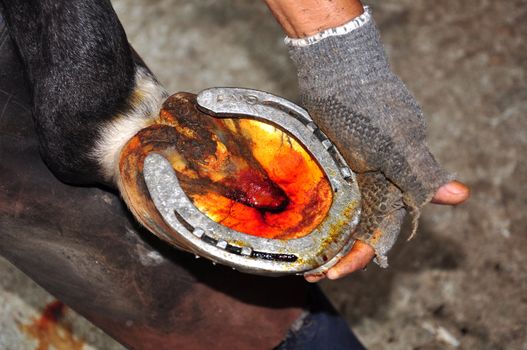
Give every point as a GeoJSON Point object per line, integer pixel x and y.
{"type": "Point", "coordinates": [308, 17]}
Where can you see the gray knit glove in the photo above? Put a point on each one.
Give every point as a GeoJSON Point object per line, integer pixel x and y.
{"type": "Point", "coordinates": [347, 86]}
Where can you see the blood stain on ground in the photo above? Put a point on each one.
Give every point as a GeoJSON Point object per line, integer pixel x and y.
{"type": "Point", "coordinates": [50, 331]}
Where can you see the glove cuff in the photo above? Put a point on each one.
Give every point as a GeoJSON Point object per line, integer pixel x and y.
{"type": "Point", "coordinates": [356, 47]}
{"type": "Point", "coordinates": [350, 26]}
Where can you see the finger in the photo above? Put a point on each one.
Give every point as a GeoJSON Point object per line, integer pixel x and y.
{"type": "Point", "coordinates": [451, 193]}
{"type": "Point", "coordinates": [359, 256]}
{"type": "Point", "coordinates": [314, 278]}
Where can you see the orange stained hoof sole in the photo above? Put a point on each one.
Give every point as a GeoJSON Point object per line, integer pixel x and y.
{"type": "Point", "coordinates": [245, 174]}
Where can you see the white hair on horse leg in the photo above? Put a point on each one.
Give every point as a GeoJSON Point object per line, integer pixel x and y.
{"type": "Point", "coordinates": [142, 109]}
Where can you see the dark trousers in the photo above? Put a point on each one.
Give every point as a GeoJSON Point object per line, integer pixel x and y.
{"type": "Point", "coordinates": [322, 328]}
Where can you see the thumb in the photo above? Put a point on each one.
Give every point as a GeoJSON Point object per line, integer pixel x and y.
{"type": "Point", "coordinates": [452, 193]}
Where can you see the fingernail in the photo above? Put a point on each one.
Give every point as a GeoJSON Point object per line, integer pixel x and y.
{"type": "Point", "coordinates": [314, 278]}
{"type": "Point", "coordinates": [456, 188]}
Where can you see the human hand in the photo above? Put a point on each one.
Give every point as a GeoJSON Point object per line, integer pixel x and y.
{"type": "Point", "coordinates": [350, 91]}
{"type": "Point", "coordinates": [361, 254]}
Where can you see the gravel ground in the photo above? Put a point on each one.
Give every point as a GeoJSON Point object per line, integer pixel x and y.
{"type": "Point", "coordinates": [462, 282]}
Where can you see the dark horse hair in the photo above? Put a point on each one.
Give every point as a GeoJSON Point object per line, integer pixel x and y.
{"type": "Point", "coordinates": [82, 72]}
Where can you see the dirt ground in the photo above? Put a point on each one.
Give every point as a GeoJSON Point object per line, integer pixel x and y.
{"type": "Point", "coordinates": [462, 282]}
